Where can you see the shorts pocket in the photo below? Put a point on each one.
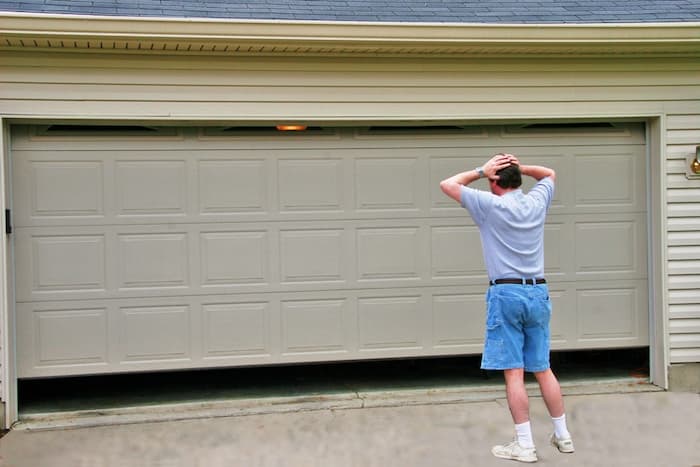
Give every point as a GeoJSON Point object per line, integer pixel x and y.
{"type": "Point", "coordinates": [494, 344]}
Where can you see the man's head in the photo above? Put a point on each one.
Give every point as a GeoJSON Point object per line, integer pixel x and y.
{"type": "Point", "coordinates": [509, 177]}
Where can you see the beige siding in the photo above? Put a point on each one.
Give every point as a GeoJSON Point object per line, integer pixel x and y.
{"type": "Point", "coordinates": [683, 239]}
{"type": "Point", "coordinates": [342, 90]}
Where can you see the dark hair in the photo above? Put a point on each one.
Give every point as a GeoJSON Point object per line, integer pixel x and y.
{"type": "Point", "coordinates": [509, 177]}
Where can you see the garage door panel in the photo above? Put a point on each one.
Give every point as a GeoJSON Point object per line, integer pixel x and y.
{"type": "Point", "coordinates": [388, 184]}
{"type": "Point", "coordinates": [153, 260]}
{"type": "Point", "coordinates": [155, 333]}
{"type": "Point", "coordinates": [210, 251]}
{"type": "Point", "coordinates": [390, 323]}
{"type": "Point", "coordinates": [247, 329]}
{"type": "Point", "coordinates": [68, 263]}
{"type": "Point", "coordinates": [70, 188]}
{"type": "Point", "coordinates": [313, 255]}
{"type": "Point", "coordinates": [46, 338]}
{"type": "Point", "coordinates": [51, 263]}
{"type": "Point", "coordinates": [234, 258]}
{"type": "Point", "coordinates": [151, 188]}
{"type": "Point", "coordinates": [311, 185]}
{"type": "Point", "coordinates": [458, 322]}
{"type": "Point", "coordinates": [315, 326]}
{"type": "Point", "coordinates": [617, 178]}
{"type": "Point", "coordinates": [389, 253]}
{"type": "Point", "coordinates": [236, 330]}
{"type": "Point", "coordinates": [182, 259]}
{"type": "Point", "coordinates": [610, 313]}
{"type": "Point", "coordinates": [230, 187]}
{"type": "Point", "coordinates": [52, 191]}
{"type": "Point", "coordinates": [608, 246]}
{"type": "Point", "coordinates": [456, 253]}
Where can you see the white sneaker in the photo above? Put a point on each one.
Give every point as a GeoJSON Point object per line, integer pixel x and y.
{"type": "Point", "coordinates": [563, 444]}
{"type": "Point", "coordinates": [515, 451]}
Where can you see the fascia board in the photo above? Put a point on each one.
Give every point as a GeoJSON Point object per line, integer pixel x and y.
{"type": "Point", "coordinates": [353, 38]}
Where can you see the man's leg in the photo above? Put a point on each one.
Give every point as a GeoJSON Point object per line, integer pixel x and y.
{"type": "Point", "coordinates": [523, 447]}
{"type": "Point", "coordinates": [518, 402]}
{"type": "Point", "coordinates": [551, 393]}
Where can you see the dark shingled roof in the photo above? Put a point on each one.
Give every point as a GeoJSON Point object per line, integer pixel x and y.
{"type": "Point", "coordinates": [414, 11]}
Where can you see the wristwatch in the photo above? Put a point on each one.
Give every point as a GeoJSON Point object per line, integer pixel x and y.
{"type": "Point", "coordinates": [480, 171]}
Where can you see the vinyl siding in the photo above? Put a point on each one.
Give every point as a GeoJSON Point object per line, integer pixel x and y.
{"type": "Point", "coordinates": [342, 89]}
{"type": "Point", "coordinates": [683, 135]}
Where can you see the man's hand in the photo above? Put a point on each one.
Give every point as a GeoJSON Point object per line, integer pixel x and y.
{"type": "Point", "coordinates": [498, 162]}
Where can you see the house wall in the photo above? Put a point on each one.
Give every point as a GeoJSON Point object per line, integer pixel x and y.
{"type": "Point", "coordinates": [191, 89]}
{"type": "Point", "coordinates": [683, 211]}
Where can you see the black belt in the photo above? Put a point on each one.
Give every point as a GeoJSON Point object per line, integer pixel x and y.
{"type": "Point", "coordinates": [518, 281]}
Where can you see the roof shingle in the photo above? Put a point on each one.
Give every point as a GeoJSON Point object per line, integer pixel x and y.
{"type": "Point", "coordinates": [409, 11]}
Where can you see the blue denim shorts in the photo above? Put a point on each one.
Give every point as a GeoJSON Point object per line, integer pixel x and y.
{"type": "Point", "coordinates": [517, 327]}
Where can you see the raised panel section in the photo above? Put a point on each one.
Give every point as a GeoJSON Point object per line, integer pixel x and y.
{"type": "Point", "coordinates": [389, 323]}
{"type": "Point", "coordinates": [153, 260]}
{"type": "Point", "coordinates": [230, 258]}
{"type": "Point", "coordinates": [314, 326]}
{"type": "Point", "coordinates": [70, 263]}
{"type": "Point", "coordinates": [311, 255]}
{"type": "Point", "coordinates": [456, 252]}
{"type": "Point", "coordinates": [235, 329]}
{"type": "Point", "coordinates": [67, 189]}
{"type": "Point", "coordinates": [606, 180]}
{"type": "Point", "coordinates": [607, 313]}
{"type": "Point", "coordinates": [156, 333]}
{"type": "Point", "coordinates": [55, 339]}
{"type": "Point", "coordinates": [232, 187]}
{"type": "Point", "coordinates": [458, 320]}
{"type": "Point", "coordinates": [606, 247]}
{"type": "Point", "coordinates": [386, 184]}
{"type": "Point", "coordinates": [151, 188]}
{"type": "Point", "coordinates": [310, 185]}
{"type": "Point", "coordinates": [388, 253]}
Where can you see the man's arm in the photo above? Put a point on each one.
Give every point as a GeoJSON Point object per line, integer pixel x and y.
{"type": "Point", "coordinates": [535, 171]}
{"type": "Point", "coordinates": [538, 172]}
{"type": "Point", "coordinates": [452, 186]}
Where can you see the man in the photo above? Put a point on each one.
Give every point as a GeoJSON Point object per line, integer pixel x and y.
{"type": "Point", "coordinates": [511, 225]}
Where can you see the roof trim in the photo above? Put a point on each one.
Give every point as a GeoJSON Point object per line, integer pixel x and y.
{"type": "Point", "coordinates": [41, 32]}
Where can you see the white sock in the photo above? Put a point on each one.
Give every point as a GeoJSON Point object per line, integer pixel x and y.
{"type": "Point", "coordinates": [523, 431]}
{"type": "Point", "coordinates": [560, 430]}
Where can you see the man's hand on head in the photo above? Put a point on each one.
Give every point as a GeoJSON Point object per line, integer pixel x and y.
{"type": "Point", "coordinates": [496, 163]}
{"type": "Point", "coordinates": [513, 159]}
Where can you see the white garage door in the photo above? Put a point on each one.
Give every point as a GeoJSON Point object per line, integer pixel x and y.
{"type": "Point", "coordinates": [147, 249]}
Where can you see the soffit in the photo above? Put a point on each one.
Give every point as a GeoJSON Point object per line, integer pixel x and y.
{"type": "Point", "coordinates": [35, 32]}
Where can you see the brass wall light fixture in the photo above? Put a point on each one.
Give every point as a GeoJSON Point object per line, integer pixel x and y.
{"type": "Point", "coordinates": [695, 163]}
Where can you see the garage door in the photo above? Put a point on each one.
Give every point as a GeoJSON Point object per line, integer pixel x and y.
{"type": "Point", "coordinates": [141, 249]}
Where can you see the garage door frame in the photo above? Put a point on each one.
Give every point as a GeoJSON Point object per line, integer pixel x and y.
{"type": "Point", "coordinates": [656, 241]}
